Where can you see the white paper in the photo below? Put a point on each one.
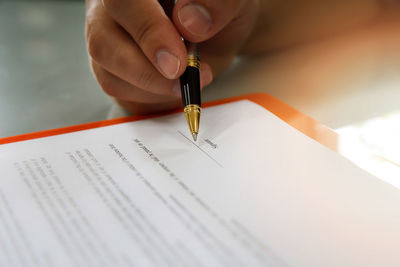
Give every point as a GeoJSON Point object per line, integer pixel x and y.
{"type": "Point", "coordinates": [252, 191]}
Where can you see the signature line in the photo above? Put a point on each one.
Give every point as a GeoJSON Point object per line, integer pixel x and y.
{"type": "Point", "coordinates": [201, 149]}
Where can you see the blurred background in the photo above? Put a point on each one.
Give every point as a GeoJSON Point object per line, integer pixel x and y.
{"type": "Point", "coordinates": [348, 79]}
{"type": "Point", "coordinates": [45, 79]}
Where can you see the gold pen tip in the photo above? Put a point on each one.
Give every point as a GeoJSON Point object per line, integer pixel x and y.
{"type": "Point", "coordinates": [192, 114]}
{"type": "Point", "coordinates": [194, 136]}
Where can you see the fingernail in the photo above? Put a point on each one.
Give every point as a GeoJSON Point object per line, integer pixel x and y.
{"type": "Point", "coordinates": [195, 18]}
{"type": "Point", "coordinates": [168, 63]}
{"type": "Point", "coordinates": [176, 89]}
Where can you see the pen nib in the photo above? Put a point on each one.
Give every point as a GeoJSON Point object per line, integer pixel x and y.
{"type": "Point", "coordinates": [192, 114]}
{"type": "Point", "coordinates": [194, 136]}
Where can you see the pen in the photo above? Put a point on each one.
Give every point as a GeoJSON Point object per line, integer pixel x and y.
{"type": "Point", "coordinates": [190, 88]}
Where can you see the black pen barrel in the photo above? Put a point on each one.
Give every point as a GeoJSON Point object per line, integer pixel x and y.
{"type": "Point", "coordinates": [190, 86]}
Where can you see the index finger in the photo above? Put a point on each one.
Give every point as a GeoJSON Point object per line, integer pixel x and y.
{"type": "Point", "coordinates": [153, 31]}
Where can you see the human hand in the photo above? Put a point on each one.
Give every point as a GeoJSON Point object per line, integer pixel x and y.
{"type": "Point", "coordinates": [137, 54]}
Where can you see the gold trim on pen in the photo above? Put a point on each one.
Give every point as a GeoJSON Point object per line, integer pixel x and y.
{"type": "Point", "coordinates": [193, 62]}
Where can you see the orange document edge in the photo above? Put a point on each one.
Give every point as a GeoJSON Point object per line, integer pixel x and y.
{"type": "Point", "coordinates": [291, 116]}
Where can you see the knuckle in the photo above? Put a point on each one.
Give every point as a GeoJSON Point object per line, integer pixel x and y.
{"type": "Point", "coordinates": [144, 31]}
{"type": "Point", "coordinates": [95, 47]}
{"type": "Point", "coordinates": [120, 62]}
{"type": "Point", "coordinates": [108, 86]}
{"type": "Point", "coordinates": [105, 81]}
{"type": "Point", "coordinates": [145, 79]}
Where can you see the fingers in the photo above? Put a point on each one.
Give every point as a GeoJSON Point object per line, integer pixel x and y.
{"type": "Point", "coordinates": [138, 101]}
{"type": "Point", "coordinates": [222, 27]}
{"type": "Point", "coordinates": [202, 19]}
{"type": "Point", "coordinates": [123, 90]}
{"type": "Point", "coordinates": [153, 31]}
{"type": "Point", "coordinates": [118, 88]}
{"type": "Point", "coordinates": [112, 48]}
{"type": "Point", "coordinates": [146, 108]}
{"type": "Point", "coordinates": [206, 74]}
{"type": "Point", "coordinates": [120, 57]}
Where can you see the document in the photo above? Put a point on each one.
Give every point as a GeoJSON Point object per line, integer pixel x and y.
{"type": "Point", "coordinates": [253, 191]}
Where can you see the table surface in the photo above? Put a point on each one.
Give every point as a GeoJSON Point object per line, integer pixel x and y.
{"type": "Point", "coordinates": [349, 82]}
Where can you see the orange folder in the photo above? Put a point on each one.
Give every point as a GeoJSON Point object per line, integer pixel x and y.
{"type": "Point", "coordinates": [296, 119]}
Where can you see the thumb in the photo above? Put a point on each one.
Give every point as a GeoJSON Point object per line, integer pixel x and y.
{"type": "Point", "coordinates": [200, 20]}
